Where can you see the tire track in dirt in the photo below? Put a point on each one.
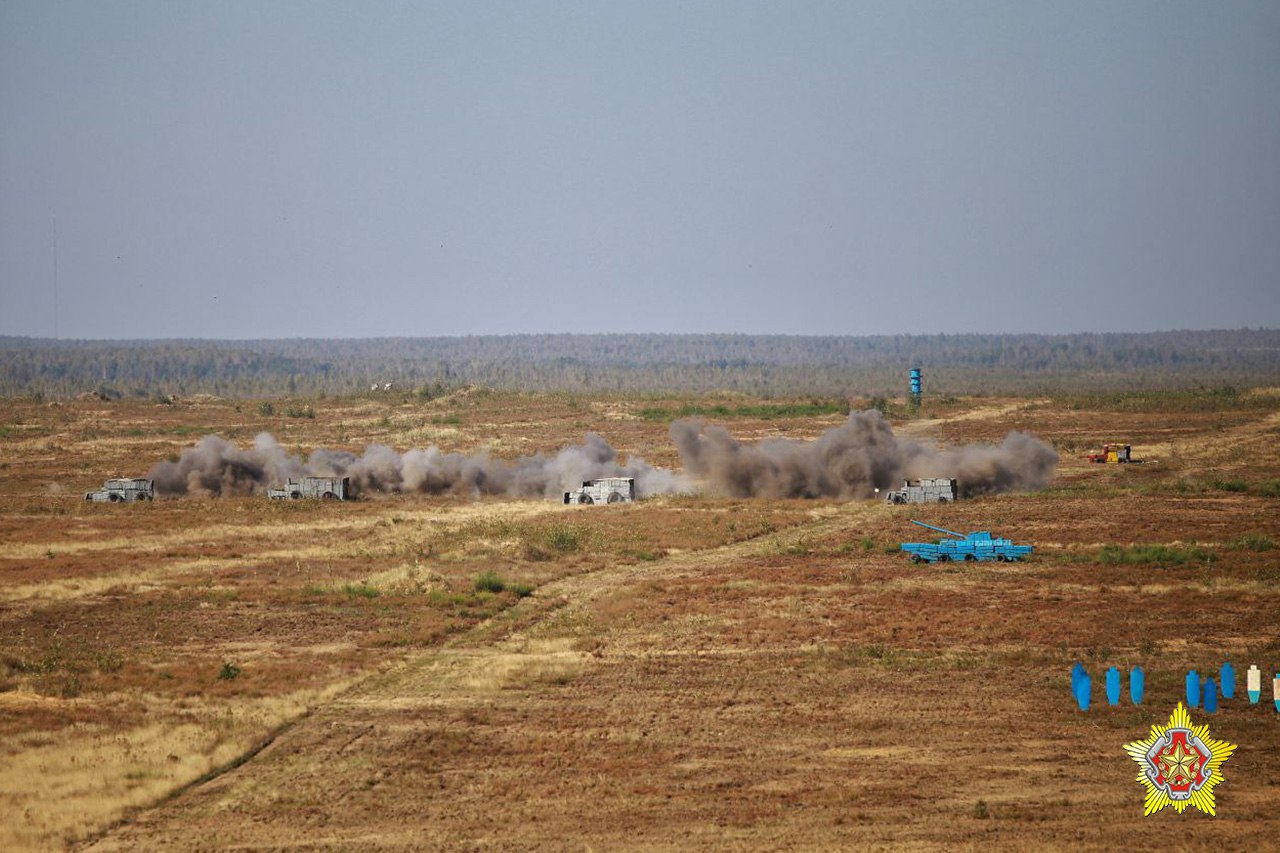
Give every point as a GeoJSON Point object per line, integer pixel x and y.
{"type": "Point", "coordinates": [925, 426]}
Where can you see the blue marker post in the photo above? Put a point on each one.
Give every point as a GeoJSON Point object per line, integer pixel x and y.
{"type": "Point", "coordinates": [1083, 687]}
{"type": "Point", "coordinates": [1253, 680]}
{"type": "Point", "coordinates": [1137, 684]}
{"type": "Point", "coordinates": [1193, 689]}
{"type": "Point", "coordinates": [1210, 696]}
{"type": "Point", "coordinates": [1275, 690]}
{"type": "Point", "coordinates": [1113, 687]}
{"type": "Point", "coordinates": [1228, 681]}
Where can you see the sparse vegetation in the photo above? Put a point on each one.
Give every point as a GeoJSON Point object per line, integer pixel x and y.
{"type": "Point", "coordinates": [500, 640]}
{"type": "Point", "coordinates": [763, 412]}
{"type": "Point", "coordinates": [1155, 554]}
{"type": "Point", "coordinates": [564, 538]}
{"type": "Point", "coordinates": [1254, 542]}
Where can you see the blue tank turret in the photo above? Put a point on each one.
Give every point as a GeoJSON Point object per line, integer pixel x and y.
{"type": "Point", "coordinates": [980, 545]}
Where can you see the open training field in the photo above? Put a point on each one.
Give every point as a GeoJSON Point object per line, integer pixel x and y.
{"type": "Point", "coordinates": [409, 672]}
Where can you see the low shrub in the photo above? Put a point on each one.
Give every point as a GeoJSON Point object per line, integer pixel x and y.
{"type": "Point", "coordinates": [489, 581]}
{"type": "Point", "coordinates": [361, 590]}
{"type": "Point", "coordinates": [564, 538]}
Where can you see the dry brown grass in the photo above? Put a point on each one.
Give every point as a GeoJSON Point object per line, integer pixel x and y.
{"type": "Point", "coordinates": [691, 672]}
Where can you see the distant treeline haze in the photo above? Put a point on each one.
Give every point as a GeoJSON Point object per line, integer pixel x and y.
{"type": "Point", "coordinates": [760, 365]}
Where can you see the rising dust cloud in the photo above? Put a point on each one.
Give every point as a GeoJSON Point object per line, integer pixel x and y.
{"type": "Point", "coordinates": [853, 460]}
{"type": "Point", "coordinates": [216, 466]}
{"type": "Point", "coordinates": [848, 461]}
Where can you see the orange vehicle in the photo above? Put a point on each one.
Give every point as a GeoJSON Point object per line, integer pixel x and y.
{"type": "Point", "coordinates": [1112, 454]}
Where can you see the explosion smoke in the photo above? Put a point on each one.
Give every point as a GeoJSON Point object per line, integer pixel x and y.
{"type": "Point", "coordinates": [849, 461]}
{"type": "Point", "coordinates": [854, 460]}
{"type": "Point", "coordinates": [215, 466]}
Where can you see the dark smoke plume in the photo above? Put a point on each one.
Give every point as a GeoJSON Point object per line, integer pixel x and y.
{"type": "Point", "coordinates": [853, 461]}
{"type": "Point", "coordinates": [849, 461]}
{"type": "Point", "coordinates": [215, 466]}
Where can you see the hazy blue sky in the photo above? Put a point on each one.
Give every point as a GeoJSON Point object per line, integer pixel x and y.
{"type": "Point", "coordinates": [280, 169]}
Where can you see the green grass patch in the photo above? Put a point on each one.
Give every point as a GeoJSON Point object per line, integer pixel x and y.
{"type": "Point", "coordinates": [489, 581]}
{"type": "Point", "coordinates": [1155, 554]}
{"type": "Point", "coordinates": [1254, 542]}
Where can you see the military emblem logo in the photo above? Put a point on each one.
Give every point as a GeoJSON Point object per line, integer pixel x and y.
{"type": "Point", "coordinates": [1180, 764]}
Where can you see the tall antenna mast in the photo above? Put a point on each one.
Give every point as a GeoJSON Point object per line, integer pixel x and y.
{"type": "Point", "coordinates": [55, 276]}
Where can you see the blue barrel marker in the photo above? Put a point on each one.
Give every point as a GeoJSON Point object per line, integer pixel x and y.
{"type": "Point", "coordinates": [1228, 681]}
{"type": "Point", "coordinates": [1083, 687]}
{"type": "Point", "coordinates": [1253, 679]}
{"type": "Point", "coordinates": [1193, 689]}
{"type": "Point", "coordinates": [1137, 684]}
{"type": "Point", "coordinates": [1275, 689]}
{"type": "Point", "coordinates": [1113, 687]}
{"type": "Point", "coordinates": [1210, 696]}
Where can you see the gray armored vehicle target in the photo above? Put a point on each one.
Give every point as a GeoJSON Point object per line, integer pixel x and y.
{"type": "Point", "coordinates": [926, 490]}
{"type": "Point", "coordinates": [606, 490]}
{"type": "Point", "coordinates": [325, 488]}
{"type": "Point", "coordinates": [123, 491]}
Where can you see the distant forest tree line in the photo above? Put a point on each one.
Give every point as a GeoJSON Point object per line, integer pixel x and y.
{"type": "Point", "coordinates": [759, 365]}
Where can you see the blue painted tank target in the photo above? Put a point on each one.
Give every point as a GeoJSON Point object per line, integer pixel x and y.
{"type": "Point", "coordinates": [1137, 684]}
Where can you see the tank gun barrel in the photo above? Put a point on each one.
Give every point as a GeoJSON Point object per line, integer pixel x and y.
{"type": "Point", "coordinates": [939, 529]}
